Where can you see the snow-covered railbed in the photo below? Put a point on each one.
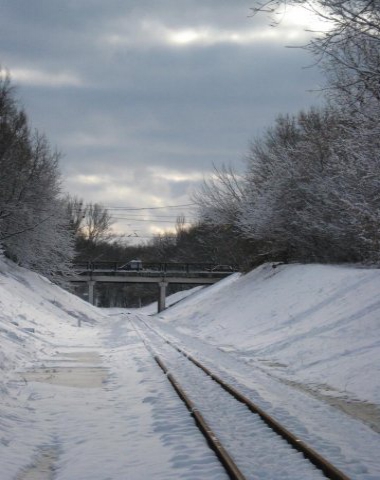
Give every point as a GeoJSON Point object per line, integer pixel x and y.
{"type": "Point", "coordinates": [258, 451]}
{"type": "Point", "coordinates": [346, 443]}
{"type": "Point", "coordinates": [97, 411]}
{"type": "Point", "coordinates": [81, 398]}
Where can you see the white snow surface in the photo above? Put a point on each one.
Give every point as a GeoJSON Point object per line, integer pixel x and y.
{"type": "Point", "coordinates": [81, 397]}
{"type": "Point", "coordinates": [314, 324]}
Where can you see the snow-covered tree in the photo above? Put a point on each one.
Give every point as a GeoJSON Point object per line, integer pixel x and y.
{"type": "Point", "coordinates": [33, 221]}
{"type": "Point", "coordinates": [349, 46]}
{"type": "Point", "coordinates": [309, 191]}
{"type": "Point", "coordinates": [219, 197]}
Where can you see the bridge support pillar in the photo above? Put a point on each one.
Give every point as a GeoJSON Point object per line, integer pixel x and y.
{"type": "Point", "coordinates": [91, 292]}
{"type": "Point", "coordinates": [162, 296]}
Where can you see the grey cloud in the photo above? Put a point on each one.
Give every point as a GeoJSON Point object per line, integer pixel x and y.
{"type": "Point", "coordinates": [151, 104]}
{"type": "Point", "coordinates": [215, 101]}
{"type": "Point", "coordinates": [70, 31]}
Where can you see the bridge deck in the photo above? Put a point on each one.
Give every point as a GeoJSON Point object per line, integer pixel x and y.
{"type": "Point", "coordinates": [148, 277]}
{"type": "Point", "coordinates": [116, 272]}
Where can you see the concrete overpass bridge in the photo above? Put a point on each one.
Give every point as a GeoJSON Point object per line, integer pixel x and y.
{"type": "Point", "coordinates": [161, 274]}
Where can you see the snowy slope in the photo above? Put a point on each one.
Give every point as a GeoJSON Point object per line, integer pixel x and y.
{"type": "Point", "coordinates": [33, 312]}
{"type": "Point", "coordinates": [312, 327]}
{"type": "Point", "coordinates": [81, 397]}
{"type": "Point", "coordinates": [313, 324]}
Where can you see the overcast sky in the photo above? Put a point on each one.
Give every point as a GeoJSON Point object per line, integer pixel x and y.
{"type": "Point", "coordinates": [143, 96]}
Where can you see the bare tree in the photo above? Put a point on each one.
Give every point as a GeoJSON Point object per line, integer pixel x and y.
{"type": "Point", "coordinates": [76, 211]}
{"type": "Point", "coordinates": [96, 226]}
{"type": "Point", "coordinates": [180, 225]}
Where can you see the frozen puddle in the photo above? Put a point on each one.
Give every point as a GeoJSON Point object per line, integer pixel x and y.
{"type": "Point", "coordinates": [80, 370]}
{"type": "Point", "coordinates": [80, 377]}
{"type": "Point", "coordinates": [43, 468]}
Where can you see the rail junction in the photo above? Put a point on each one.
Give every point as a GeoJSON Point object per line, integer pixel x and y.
{"type": "Point", "coordinates": [249, 443]}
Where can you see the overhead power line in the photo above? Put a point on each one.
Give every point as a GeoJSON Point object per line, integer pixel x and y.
{"type": "Point", "coordinates": [136, 237]}
{"type": "Point", "coordinates": [143, 215]}
{"type": "Point", "coordinates": [108, 207]}
{"type": "Point", "coordinates": [141, 220]}
{"type": "Point", "coordinates": [150, 208]}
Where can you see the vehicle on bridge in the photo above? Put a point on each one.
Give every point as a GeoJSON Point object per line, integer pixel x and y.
{"type": "Point", "coordinates": [132, 265]}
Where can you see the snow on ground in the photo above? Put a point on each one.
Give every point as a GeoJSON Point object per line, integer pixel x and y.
{"type": "Point", "coordinates": [81, 398]}
{"type": "Point", "coordinates": [313, 324]}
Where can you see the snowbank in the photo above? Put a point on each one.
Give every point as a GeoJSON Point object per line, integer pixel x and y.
{"type": "Point", "coordinates": [314, 325]}
{"type": "Point", "coordinates": [34, 311]}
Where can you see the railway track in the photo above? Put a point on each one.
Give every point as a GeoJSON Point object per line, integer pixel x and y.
{"type": "Point", "coordinates": [248, 442]}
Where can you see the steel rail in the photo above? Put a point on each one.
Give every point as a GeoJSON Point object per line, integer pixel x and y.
{"type": "Point", "coordinates": [225, 459]}
{"type": "Point", "coordinates": [328, 469]}
{"type": "Point", "coordinates": [222, 454]}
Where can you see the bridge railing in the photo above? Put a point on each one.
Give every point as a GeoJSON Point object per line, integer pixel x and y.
{"type": "Point", "coordinates": [159, 267]}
